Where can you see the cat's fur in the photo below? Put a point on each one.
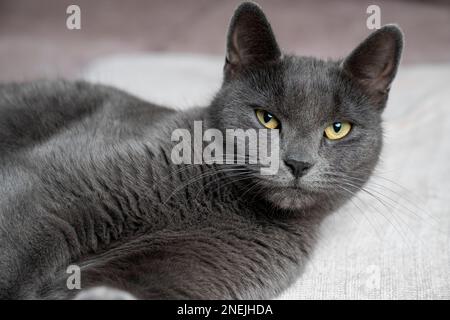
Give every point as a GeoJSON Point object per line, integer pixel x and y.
{"type": "Point", "coordinates": [86, 176]}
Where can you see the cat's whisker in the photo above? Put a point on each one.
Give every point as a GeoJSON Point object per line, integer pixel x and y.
{"type": "Point", "coordinates": [408, 212]}
{"type": "Point", "coordinates": [353, 196]}
{"type": "Point", "coordinates": [371, 183]}
{"type": "Point", "coordinates": [409, 200]}
{"type": "Point", "coordinates": [197, 178]}
{"type": "Point", "coordinates": [185, 167]}
{"type": "Point", "coordinates": [259, 184]}
{"type": "Point", "coordinates": [182, 168]}
{"type": "Point", "coordinates": [189, 182]}
{"type": "Point", "coordinates": [399, 223]}
{"type": "Point", "coordinates": [348, 212]}
{"type": "Point", "coordinates": [231, 176]}
{"type": "Point", "coordinates": [357, 188]}
{"type": "Point", "coordinates": [371, 186]}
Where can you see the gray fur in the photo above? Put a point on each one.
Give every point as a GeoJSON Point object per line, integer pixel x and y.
{"type": "Point", "coordinates": [86, 176]}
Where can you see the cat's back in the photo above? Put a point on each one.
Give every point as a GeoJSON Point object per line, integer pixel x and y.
{"type": "Point", "coordinates": [33, 113]}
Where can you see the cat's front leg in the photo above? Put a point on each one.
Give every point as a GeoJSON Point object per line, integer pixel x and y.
{"type": "Point", "coordinates": [33, 246]}
{"type": "Point", "coordinates": [201, 264]}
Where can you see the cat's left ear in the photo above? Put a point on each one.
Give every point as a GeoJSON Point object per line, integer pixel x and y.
{"type": "Point", "coordinates": [250, 40]}
{"type": "Point", "coordinates": [375, 61]}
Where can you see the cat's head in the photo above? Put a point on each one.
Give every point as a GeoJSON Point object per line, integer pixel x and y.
{"type": "Point", "coordinates": [328, 113]}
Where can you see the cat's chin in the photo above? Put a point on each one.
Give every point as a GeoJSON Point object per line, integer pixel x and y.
{"type": "Point", "coordinates": [292, 198]}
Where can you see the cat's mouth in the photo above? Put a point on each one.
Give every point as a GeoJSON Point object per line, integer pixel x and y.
{"type": "Point", "coordinates": [300, 189]}
{"type": "Point", "coordinates": [296, 185]}
{"type": "Point", "coordinates": [293, 197]}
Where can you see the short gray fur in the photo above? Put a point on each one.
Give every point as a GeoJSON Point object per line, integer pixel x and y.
{"type": "Point", "coordinates": [86, 176]}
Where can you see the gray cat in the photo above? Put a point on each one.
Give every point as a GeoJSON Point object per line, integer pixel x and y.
{"type": "Point", "coordinates": [86, 176]}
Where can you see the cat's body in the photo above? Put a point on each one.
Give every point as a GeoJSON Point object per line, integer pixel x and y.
{"type": "Point", "coordinates": [86, 178]}
{"type": "Point", "coordinates": [102, 179]}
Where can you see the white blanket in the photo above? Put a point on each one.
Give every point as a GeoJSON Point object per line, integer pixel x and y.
{"type": "Point", "coordinates": [394, 246]}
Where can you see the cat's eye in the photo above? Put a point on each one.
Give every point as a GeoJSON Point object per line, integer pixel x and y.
{"type": "Point", "coordinates": [337, 130]}
{"type": "Point", "coordinates": [267, 119]}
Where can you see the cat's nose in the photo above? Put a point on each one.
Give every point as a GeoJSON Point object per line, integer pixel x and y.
{"type": "Point", "coordinates": [298, 168]}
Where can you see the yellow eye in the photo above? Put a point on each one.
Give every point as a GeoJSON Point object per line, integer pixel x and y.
{"type": "Point", "coordinates": [337, 130]}
{"type": "Point", "coordinates": [267, 119]}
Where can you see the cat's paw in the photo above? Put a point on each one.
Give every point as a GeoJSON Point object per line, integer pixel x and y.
{"type": "Point", "coordinates": [104, 293]}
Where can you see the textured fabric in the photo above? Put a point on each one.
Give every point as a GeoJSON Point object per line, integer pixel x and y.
{"type": "Point", "coordinates": [393, 240]}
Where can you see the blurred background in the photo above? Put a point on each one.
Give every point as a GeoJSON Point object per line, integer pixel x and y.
{"type": "Point", "coordinates": [35, 43]}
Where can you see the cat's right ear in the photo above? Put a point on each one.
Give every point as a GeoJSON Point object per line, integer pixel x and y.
{"type": "Point", "coordinates": [250, 40]}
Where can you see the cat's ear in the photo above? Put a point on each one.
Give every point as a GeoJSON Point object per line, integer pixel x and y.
{"type": "Point", "coordinates": [250, 40]}
{"type": "Point", "coordinates": [375, 61]}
